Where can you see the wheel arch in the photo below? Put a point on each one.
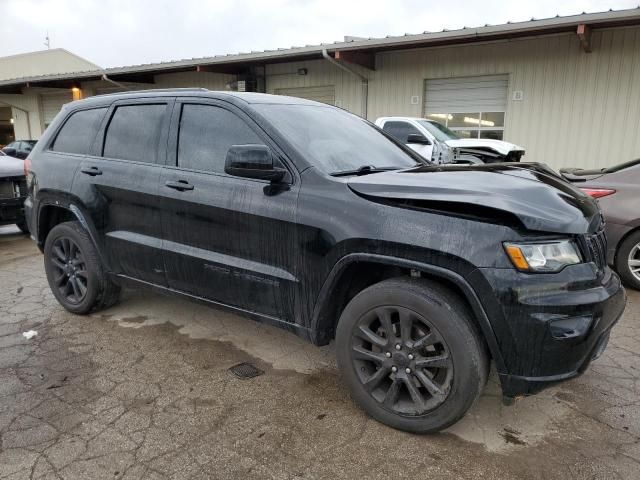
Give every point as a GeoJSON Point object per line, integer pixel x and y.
{"type": "Point", "coordinates": [623, 238]}
{"type": "Point", "coordinates": [51, 214]}
{"type": "Point", "coordinates": [327, 310]}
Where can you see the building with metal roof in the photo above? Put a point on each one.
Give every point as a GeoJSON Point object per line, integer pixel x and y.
{"type": "Point", "coordinates": [566, 88]}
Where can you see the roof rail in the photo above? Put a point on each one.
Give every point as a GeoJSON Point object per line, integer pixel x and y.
{"type": "Point", "coordinates": [160, 90]}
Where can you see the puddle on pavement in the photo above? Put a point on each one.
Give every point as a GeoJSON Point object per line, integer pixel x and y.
{"type": "Point", "coordinates": [489, 423]}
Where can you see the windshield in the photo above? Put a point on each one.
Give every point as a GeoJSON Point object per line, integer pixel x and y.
{"type": "Point", "coordinates": [438, 130]}
{"type": "Point", "coordinates": [334, 140]}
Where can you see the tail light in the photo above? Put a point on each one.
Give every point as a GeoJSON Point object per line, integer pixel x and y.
{"type": "Point", "coordinates": [27, 166]}
{"type": "Point", "coordinates": [598, 192]}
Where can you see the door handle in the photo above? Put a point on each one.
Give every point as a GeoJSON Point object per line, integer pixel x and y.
{"type": "Point", "coordinates": [93, 171]}
{"type": "Point", "coordinates": [180, 185]}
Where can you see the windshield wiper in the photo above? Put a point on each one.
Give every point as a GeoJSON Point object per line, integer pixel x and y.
{"type": "Point", "coordinates": [364, 170]}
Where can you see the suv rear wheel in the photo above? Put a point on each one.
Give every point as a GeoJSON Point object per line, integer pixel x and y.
{"type": "Point", "coordinates": [411, 355]}
{"type": "Point", "coordinates": [74, 271]}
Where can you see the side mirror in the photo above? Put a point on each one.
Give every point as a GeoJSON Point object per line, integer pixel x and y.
{"type": "Point", "coordinates": [10, 151]}
{"type": "Point", "coordinates": [417, 138]}
{"type": "Point", "coordinates": [252, 161]}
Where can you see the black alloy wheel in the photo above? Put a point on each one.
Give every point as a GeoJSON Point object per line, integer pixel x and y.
{"type": "Point", "coordinates": [401, 360]}
{"type": "Point", "coordinates": [70, 270]}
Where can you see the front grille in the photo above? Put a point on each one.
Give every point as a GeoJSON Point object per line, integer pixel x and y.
{"type": "Point", "coordinates": [7, 190]}
{"type": "Point", "coordinates": [597, 244]}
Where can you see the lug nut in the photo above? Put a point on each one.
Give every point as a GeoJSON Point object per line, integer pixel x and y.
{"type": "Point", "coordinates": [408, 370]}
{"type": "Point", "coordinates": [398, 347]}
{"type": "Point", "coordinates": [388, 354]}
{"type": "Point", "coordinates": [394, 369]}
{"type": "Point", "coordinates": [411, 356]}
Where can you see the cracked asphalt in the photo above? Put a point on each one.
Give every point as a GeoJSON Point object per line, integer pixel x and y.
{"type": "Point", "coordinates": [143, 391]}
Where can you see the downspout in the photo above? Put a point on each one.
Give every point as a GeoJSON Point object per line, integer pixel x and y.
{"type": "Point", "coordinates": [118, 84]}
{"type": "Point", "coordinates": [365, 80]}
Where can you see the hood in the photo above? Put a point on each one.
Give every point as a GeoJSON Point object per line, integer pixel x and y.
{"type": "Point", "coordinates": [539, 199]}
{"type": "Point", "coordinates": [499, 146]}
{"type": "Point", "coordinates": [11, 167]}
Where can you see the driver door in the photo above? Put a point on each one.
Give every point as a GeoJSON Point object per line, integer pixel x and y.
{"type": "Point", "coordinates": [226, 239]}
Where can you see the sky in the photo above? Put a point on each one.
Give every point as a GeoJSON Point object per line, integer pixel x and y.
{"type": "Point", "coordinates": [114, 33]}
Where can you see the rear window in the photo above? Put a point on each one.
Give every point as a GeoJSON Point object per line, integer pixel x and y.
{"type": "Point", "coordinates": [134, 131]}
{"type": "Point", "coordinates": [79, 131]}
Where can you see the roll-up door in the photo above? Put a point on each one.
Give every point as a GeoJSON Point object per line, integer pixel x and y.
{"type": "Point", "coordinates": [324, 94]}
{"type": "Point", "coordinates": [52, 103]}
{"type": "Point", "coordinates": [474, 107]}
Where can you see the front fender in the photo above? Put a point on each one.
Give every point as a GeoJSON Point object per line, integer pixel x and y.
{"type": "Point", "coordinates": [321, 325]}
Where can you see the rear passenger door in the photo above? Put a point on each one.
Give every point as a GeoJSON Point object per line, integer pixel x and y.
{"type": "Point", "coordinates": [226, 239]}
{"type": "Point", "coordinates": [119, 183]}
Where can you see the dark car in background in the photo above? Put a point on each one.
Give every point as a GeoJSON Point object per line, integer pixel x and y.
{"type": "Point", "coordinates": [19, 148]}
{"type": "Point", "coordinates": [304, 216]}
{"type": "Point", "coordinates": [13, 191]}
{"type": "Point", "coordinates": [617, 190]}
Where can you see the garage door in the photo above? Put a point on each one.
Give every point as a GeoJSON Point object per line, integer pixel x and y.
{"type": "Point", "coordinates": [52, 103]}
{"type": "Point", "coordinates": [471, 106]}
{"type": "Point", "coordinates": [325, 94]}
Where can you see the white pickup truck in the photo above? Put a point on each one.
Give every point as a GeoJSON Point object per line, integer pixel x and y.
{"type": "Point", "coordinates": [436, 142]}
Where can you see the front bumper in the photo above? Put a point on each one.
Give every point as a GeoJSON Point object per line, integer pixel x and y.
{"type": "Point", "coordinates": [549, 327]}
{"type": "Point", "coordinates": [11, 210]}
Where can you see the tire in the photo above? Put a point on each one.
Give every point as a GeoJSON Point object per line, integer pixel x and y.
{"type": "Point", "coordinates": [630, 247]}
{"type": "Point", "coordinates": [23, 227]}
{"type": "Point", "coordinates": [456, 362]}
{"type": "Point", "coordinates": [74, 271]}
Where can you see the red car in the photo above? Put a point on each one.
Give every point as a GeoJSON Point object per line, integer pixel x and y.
{"type": "Point", "coordinates": [618, 192]}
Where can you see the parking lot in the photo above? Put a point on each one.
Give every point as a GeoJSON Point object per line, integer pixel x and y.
{"type": "Point", "coordinates": [143, 390]}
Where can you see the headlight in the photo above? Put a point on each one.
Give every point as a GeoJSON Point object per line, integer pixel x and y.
{"type": "Point", "coordinates": [543, 257]}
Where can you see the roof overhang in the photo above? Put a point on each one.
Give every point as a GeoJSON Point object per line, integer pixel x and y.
{"type": "Point", "coordinates": [353, 50]}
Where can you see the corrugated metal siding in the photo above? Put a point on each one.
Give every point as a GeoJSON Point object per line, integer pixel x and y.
{"type": "Point", "coordinates": [578, 109]}
{"type": "Point", "coordinates": [52, 103]}
{"type": "Point", "coordinates": [325, 94]}
{"type": "Point", "coordinates": [348, 88]}
{"type": "Point", "coordinates": [212, 81]}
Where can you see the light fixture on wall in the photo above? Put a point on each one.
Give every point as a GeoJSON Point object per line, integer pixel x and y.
{"type": "Point", "coordinates": [77, 93]}
{"type": "Point", "coordinates": [12, 121]}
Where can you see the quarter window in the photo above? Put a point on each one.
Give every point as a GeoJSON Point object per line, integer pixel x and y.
{"type": "Point", "coordinates": [206, 133]}
{"type": "Point", "coordinates": [400, 130]}
{"type": "Point", "coordinates": [134, 131]}
{"type": "Point", "coordinates": [79, 131]}
{"type": "Point", "coordinates": [472, 124]}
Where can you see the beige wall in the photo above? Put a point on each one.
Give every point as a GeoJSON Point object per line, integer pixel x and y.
{"type": "Point", "coordinates": [321, 73]}
{"type": "Point", "coordinates": [578, 108]}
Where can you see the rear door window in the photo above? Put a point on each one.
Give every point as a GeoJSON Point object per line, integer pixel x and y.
{"type": "Point", "coordinates": [206, 133]}
{"type": "Point", "coordinates": [79, 131]}
{"type": "Point", "coordinates": [134, 132]}
{"type": "Point", "coordinates": [400, 130]}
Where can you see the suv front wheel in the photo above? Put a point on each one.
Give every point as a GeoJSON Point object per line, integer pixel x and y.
{"type": "Point", "coordinates": [74, 270]}
{"type": "Point", "coordinates": [411, 354]}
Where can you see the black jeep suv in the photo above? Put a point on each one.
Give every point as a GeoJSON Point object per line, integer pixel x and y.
{"type": "Point", "coordinates": [304, 216]}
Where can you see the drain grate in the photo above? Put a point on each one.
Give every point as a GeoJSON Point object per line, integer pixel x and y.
{"type": "Point", "coordinates": [246, 370]}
